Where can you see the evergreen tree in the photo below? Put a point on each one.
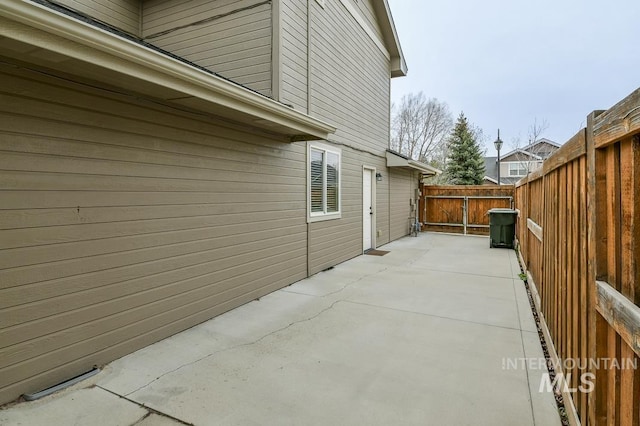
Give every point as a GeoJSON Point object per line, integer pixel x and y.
{"type": "Point", "coordinates": [465, 165]}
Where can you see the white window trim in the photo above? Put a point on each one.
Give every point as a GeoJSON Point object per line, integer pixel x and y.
{"type": "Point", "coordinates": [319, 216]}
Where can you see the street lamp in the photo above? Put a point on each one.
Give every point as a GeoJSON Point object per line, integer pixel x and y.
{"type": "Point", "coordinates": [498, 145]}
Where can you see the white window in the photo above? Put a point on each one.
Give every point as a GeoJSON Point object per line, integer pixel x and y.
{"type": "Point", "coordinates": [324, 191]}
{"type": "Point", "coordinates": [517, 169]}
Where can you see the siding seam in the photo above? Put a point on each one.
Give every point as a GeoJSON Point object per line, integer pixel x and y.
{"type": "Point", "coordinates": [207, 20]}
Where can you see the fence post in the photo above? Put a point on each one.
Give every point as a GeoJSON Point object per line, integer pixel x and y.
{"type": "Point", "coordinates": [527, 213]}
{"type": "Point", "coordinates": [465, 210]}
{"type": "Point", "coordinates": [597, 326]}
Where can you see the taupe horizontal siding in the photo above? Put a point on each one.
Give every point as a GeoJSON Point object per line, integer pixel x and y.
{"type": "Point", "coordinates": [350, 79]}
{"type": "Point", "coordinates": [163, 15]}
{"type": "Point", "coordinates": [122, 224]}
{"type": "Point", "coordinates": [123, 14]}
{"type": "Point", "coordinates": [382, 203]}
{"type": "Point", "coordinates": [294, 54]}
{"type": "Point", "coordinates": [236, 42]}
{"type": "Point", "coordinates": [367, 11]}
{"type": "Point", "coordinates": [401, 185]}
{"type": "Point", "coordinates": [335, 241]}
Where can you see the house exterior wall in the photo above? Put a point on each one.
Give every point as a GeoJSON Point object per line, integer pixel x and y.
{"type": "Point", "coordinates": [357, 102]}
{"type": "Point", "coordinates": [122, 14]}
{"type": "Point", "coordinates": [294, 86]}
{"type": "Point", "coordinates": [365, 7]}
{"type": "Point", "coordinates": [124, 223]}
{"type": "Point", "coordinates": [403, 184]}
{"type": "Point", "coordinates": [543, 148]}
{"type": "Point", "coordinates": [232, 38]}
{"type": "Point", "coordinates": [531, 166]}
{"type": "Point", "coordinates": [350, 85]}
{"type": "Point", "coordinates": [326, 79]}
{"type": "Point", "coordinates": [334, 241]}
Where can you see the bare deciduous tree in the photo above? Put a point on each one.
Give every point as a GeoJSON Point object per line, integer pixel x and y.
{"type": "Point", "coordinates": [420, 127]}
{"type": "Point", "coordinates": [536, 130]}
{"type": "Point", "coordinates": [534, 134]}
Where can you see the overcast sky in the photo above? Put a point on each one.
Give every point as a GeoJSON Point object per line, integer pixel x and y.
{"type": "Point", "coordinates": [507, 62]}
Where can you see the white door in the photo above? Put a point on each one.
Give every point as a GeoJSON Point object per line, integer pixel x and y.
{"type": "Point", "coordinates": [367, 209]}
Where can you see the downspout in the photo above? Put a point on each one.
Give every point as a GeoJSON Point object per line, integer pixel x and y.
{"type": "Point", "coordinates": [418, 193]}
{"type": "Point", "coordinates": [389, 204]}
{"type": "Point", "coordinates": [309, 57]}
{"type": "Point", "coordinates": [308, 246]}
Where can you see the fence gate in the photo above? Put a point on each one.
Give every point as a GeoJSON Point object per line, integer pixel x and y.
{"type": "Point", "coordinates": [462, 209]}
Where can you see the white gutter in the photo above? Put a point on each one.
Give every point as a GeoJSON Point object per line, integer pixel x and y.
{"type": "Point", "coordinates": [43, 27]}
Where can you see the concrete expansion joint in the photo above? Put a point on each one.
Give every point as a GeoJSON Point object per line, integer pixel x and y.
{"type": "Point", "coordinates": [524, 350]}
{"type": "Point", "coordinates": [231, 348]}
{"type": "Point", "coordinates": [419, 258]}
{"type": "Point", "coordinates": [423, 314]}
{"type": "Point", "coordinates": [350, 283]}
{"type": "Point", "coordinates": [474, 274]}
{"type": "Point", "coordinates": [341, 289]}
{"type": "Point", "coordinates": [150, 411]}
{"type": "Point", "coordinates": [141, 419]}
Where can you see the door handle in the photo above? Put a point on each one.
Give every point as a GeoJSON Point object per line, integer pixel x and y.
{"type": "Point", "coordinates": [371, 210]}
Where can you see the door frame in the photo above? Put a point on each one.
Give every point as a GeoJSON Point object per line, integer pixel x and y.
{"type": "Point", "coordinates": [374, 216]}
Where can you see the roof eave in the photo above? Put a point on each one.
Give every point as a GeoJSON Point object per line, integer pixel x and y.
{"type": "Point", "coordinates": [397, 160]}
{"type": "Point", "coordinates": [391, 39]}
{"type": "Point", "coordinates": [424, 168]}
{"type": "Point", "coordinates": [40, 26]}
{"type": "Point", "coordinates": [520, 151]}
{"type": "Point", "coordinates": [398, 67]}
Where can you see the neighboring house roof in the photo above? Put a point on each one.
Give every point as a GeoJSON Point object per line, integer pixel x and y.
{"type": "Point", "coordinates": [491, 167]}
{"type": "Point", "coordinates": [541, 141]}
{"type": "Point", "coordinates": [391, 40]}
{"type": "Point", "coordinates": [395, 159]}
{"type": "Point", "coordinates": [520, 155]}
{"type": "Point", "coordinates": [94, 50]}
{"type": "Point", "coordinates": [540, 149]}
{"type": "Point", "coordinates": [534, 150]}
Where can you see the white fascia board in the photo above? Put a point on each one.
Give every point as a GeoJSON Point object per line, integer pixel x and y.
{"type": "Point", "coordinates": [424, 168]}
{"type": "Point", "coordinates": [398, 63]}
{"type": "Point", "coordinates": [519, 151]}
{"type": "Point", "coordinates": [43, 27]}
{"type": "Point", "coordinates": [394, 160]}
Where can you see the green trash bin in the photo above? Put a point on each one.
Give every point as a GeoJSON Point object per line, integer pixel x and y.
{"type": "Point", "coordinates": [502, 227]}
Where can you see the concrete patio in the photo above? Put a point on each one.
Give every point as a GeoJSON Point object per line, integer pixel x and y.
{"type": "Point", "coordinates": [416, 337]}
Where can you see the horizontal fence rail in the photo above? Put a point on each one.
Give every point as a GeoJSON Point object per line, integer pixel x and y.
{"type": "Point", "coordinates": [579, 239]}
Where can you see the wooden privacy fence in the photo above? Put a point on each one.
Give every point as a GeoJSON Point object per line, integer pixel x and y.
{"type": "Point", "coordinates": [579, 237]}
{"type": "Point", "coordinates": [462, 209]}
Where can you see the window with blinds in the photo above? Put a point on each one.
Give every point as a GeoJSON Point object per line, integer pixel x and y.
{"type": "Point", "coordinates": [324, 182]}
{"type": "Point", "coordinates": [333, 162]}
{"type": "Point", "coordinates": [316, 184]}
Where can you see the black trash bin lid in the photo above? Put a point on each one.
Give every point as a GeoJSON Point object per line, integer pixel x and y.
{"type": "Point", "coordinates": [503, 210]}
